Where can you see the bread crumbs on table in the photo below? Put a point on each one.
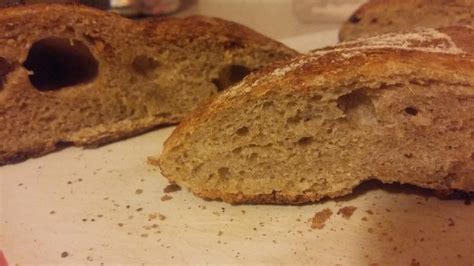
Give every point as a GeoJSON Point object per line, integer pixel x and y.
{"type": "Point", "coordinates": [347, 211]}
{"type": "Point", "coordinates": [153, 160]}
{"type": "Point", "coordinates": [171, 188]}
{"type": "Point", "coordinates": [219, 233]}
{"type": "Point", "coordinates": [369, 212]}
{"type": "Point", "coordinates": [64, 254]}
{"type": "Point", "coordinates": [166, 197]}
{"type": "Point", "coordinates": [364, 219]}
{"type": "Point", "coordinates": [319, 219]}
{"type": "Point", "coordinates": [52, 212]}
{"type": "Point", "coordinates": [161, 217]}
{"type": "Point", "coordinates": [139, 191]}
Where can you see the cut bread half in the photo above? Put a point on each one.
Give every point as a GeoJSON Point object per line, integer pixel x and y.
{"type": "Point", "coordinates": [382, 16]}
{"type": "Point", "coordinates": [397, 107]}
{"type": "Point", "coordinates": [71, 74]}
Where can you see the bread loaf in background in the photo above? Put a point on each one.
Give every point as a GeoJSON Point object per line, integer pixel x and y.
{"type": "Point", "coordinates": [382, 16]}
{"type": "Point", "coordinates": [81, 76]}
{"type": "Point", "coordinates": [397, 107]}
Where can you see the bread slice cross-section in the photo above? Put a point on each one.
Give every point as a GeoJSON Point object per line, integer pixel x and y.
{"type": "Point", "coordinates": [71, 74]}
{"type": "Point", "coordinates": [397, 107]}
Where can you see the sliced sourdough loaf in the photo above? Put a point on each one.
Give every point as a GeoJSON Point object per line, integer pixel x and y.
{"type": "Point", "coordinates": [396, 107]}
{"type": "Point", "coordinates": [71, 74]}
{"type": "Point", "coordinates": [382, 16]}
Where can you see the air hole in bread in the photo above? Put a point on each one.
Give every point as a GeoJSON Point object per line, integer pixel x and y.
{"type": "Point", "coordinates": [57, 63]}
{"type": "Point", "coordinates": [253, 156]}
{"type": "Point", "coordinates": [223, 172]}
{"type": "Point", "coordinates": [305, 141]}
{"type": "Point", "coordinates": [237, 150]}
{"type": "Point", "coordinates": [230, 75]}
{"type": "Point", "coordinates": [5, 68]}
{"type": "Point", "coordinates": [293, 120]}
{"type": "Point", "coordinates": [144, 65]}
{"type": "Point", "coordinates": [358, 108]}
{"type": "Point", "coordinates": [354, 19]}
{"type": "Point", "coordinates": [243, 131]}
{"type": "Point", "coordinates": [267, 105]}
{"type": "Point", "coordinates": [411, 111]}
{"type": "Point", "coordinates": [316, 98]}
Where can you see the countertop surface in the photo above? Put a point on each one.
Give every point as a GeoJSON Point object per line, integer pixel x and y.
{"type": "Point", "coordinates": [278, 19]}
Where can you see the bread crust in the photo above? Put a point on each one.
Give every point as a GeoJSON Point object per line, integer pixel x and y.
{"type": "Point", "coordinates": [115, 41]}
{"type": "Point", "coordinates": [445, 56]}
{"type": "Point", "coordinates": [382, 16]}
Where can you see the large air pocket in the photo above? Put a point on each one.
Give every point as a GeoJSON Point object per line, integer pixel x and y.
{"type": "Point", "coordinates": [57, 63]}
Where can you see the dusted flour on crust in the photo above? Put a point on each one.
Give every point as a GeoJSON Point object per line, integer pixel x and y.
{"type": "Point", "coordinates": [423, 40]}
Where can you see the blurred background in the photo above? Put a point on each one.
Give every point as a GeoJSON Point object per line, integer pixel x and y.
{"type": "Point", "coordinates": [275, 18]}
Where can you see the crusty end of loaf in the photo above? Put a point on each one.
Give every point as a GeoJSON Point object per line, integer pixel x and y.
{"type": "Point", "coordinates": [382, 16]}
{"type": "Point", "coordinates": [322, 123]}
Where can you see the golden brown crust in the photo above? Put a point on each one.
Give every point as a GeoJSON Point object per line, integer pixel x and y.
{"type": "Point", "coordinates": [272, 198]}
{"type": "Point", "coordinates": [116, 42]}
{"type": "Point", "coordinates": [372, 62]}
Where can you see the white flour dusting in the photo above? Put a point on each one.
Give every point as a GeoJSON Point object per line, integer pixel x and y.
{"type": "Point", "coordinates": [423, 40]}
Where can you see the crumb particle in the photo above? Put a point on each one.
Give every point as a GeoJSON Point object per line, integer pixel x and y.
{"type": "Point", "coordinates": [139, 191]}
{"type": "Point", "coordinates": [153, 160]}
{"type": "Point", "coordinates": [171, 188]}
{"type": "Point", "coordinates": [319, 219]}
{"type": "Point", "coordinates": [166, 197]}
{"type": "Point", "coordinates": [347, 211]}
{"type": "Point", "coordinates": [64, 254]}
